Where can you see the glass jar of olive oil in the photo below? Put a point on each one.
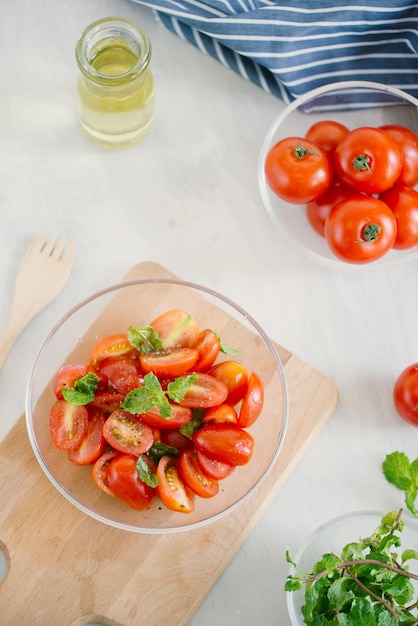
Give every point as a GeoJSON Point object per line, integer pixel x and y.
{"type": "Point", "coordinates": [116, 87]}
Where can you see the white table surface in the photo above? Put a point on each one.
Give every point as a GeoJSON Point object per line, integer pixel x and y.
{"type": "Point", "coordinates": [188, 199]}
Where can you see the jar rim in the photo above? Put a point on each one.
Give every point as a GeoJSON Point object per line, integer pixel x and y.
{"type": "Point", "coordinates": [105, 29]}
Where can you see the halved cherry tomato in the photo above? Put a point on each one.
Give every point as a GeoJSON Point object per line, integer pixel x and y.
{"type": "Point", "coordinates": [99, 469]}
{"type": "Point", "coordinates": [368, 159]}
{"type": "Point", "coordinates": [298, 170]}
{"type": "Point", "coordinates": [212, 467]}
{"type": "Point", "coordinates": [403, 201]}
{"type": "Point", "coordinates": [318, 210]}
{"type": "Point", "coordinates": [253, 402]}
{"type": "Point", "coordinates": [176, 329]}
{"type": "Point", "coordinates": [121, 373]}
{"type": "Point", "coordinates": [171, 362]}
{"type": "Point", "coordinates": [108, 401]}
{"type": "Point", "coordinates": [67, 376]}
{"type": "Point", "coordinates": [192, 475]}
{"type": "Point", "coordinates": [171, 490]}
{"type": "Point", "coordinates": [234, 376]}
{"type": "Point", "coordinates": [208, 346]}
{"type": "Point", "coordinates": [222, 414]}
{"type": "Point", "coordinates": [124, 482]}
{"type": "Point", "coordinates": [205, 392]}
{"type": "Point", "coordinates": [173, 437]}
{"type": "Point", "coordinates": [112, 345]}
{"type": "Point", "coordinates": [408, 142]}
{"type": "Point", "coordinates": [180, 415]}
{"type": "Point", "coordinates": [127, 433]}
{"type": "Point", "coordinates": [93, 443]}
{"type": "Point", "coordinates": [225, 442]}
{"type": "Point", "coordinates": [327, 134]}
{"type": "Point", "coordinates": [360, 229]}
{"type": "Point", "coordinates": [67, 424]}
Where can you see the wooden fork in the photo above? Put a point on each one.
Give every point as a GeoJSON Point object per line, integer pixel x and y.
{"type": "Point", "coordinates": [42, 273]}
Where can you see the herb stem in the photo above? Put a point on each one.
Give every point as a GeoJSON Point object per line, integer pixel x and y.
{"type": "Point", "coordinates": [347, 564]}
{"type": "Point", "coordinates": [375, 596]}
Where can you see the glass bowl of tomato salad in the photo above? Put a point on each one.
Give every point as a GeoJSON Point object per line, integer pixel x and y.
{"type": "Point", "coordinates": [157, 406]}
{"type": "Point", "coordinates": [338, 174]}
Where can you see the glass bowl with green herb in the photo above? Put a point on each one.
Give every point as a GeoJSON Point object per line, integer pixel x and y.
{"type": "Point", "coordinates": [357, 569]}
{"type": "Point", "coordinates": [129, 308]}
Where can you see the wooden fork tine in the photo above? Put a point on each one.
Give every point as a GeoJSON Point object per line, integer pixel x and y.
{"type": "Point", "coordinates": [58, 248]}
{"type": "Point", "coordinates": [49, 245]}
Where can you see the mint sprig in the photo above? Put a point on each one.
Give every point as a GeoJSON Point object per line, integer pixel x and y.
{"type": "Point", "coordinates": [400, 472]}
{"type": "Point", "coordinates": [152, 395]}
{"type": "Point", "coordinates": [145, 473]}
{"type": "Point", "coordinates": [84, 390]}
{"type": "Point", "coordinates": [144, 338]}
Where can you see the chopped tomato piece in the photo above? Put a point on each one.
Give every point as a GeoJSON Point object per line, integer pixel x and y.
{"type": "Point", "coordinates": [67, 376]}
{"type": "Point", "coordinates": [171, 362]}
{"type": "Point", "coordinates": [205, 392]}
{"type": "Point", "coordinates": [173, 493]}
{"type": "Point", "coordinates": [234, 376]}
{"type": "Point", "coordinates": [212, 467]}
{"type": "Point", "coordinates": [192, 475]}
{"type": "Point", "coordinates": [176, 329]}
{"type": "Point", "coordinates": [112, 345]}
{"type": "Point", "coordinates": [127, 433]}
{"type": "Point", "coordinates": [224, 413]}
{"type": "Point", "coordinates": [252, 404]}
{"type": "Point", "coordinates": [121, 373]}
{"type": "Point", "coordinates": [93, 443]}
{"type": "Point", "coordinates": [208, 346]}
{"type": "Point", "coordinates": [99, 469]}
{"type": "Point", "coordinates": [225, 442]}
{"type": "Point", "coordinates": [67, 424]}
{"type": "Point", "coordinates": [108, 401]}
{"type": "Point", "coordinates": [180, 415]}
{"type": "Point", "coordinates": [124, 482]}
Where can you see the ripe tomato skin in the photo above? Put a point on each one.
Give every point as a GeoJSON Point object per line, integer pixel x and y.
{"type": "Point", "coordinates": [405, 394]}
{"type": "Point", "coordinates": [225, 442]}
{"type": "Point", "coordinates": [234, 376]}
{"type": "Point", "coordinates": [345, 229]}
{"type": "Point", "coordinates": [125, 484]}
{"type": "Point", "coordinates": [192, 475]}
{"type": "Point", "coordinates": [171, 490]}
{"type": "Point", "coordinates": [121, 373]}
{"type": "Point", "coordinates": [173, 437]}
{"type": "Point", "coordinates": [93, 443]}
{"type": "Point", "coordinates": [67, 424]}
{"type": "Point", "coordinates": [108, 401]}
{"type": "Point", "coordinates": [408, 141]}
{"type": "Point", "coordinates": [253, 403]}
{"type": "Point", "coordinates": [205, 392]}
{"type": "Point", "coordinates": [208, 346]}
{"type": "Point", "coordinates": [368, 160]}
{"type": "Point", "coordinates": [298, 179]}
{"type": "Point", "coordinates": [212, 467]}
{"type": "Point", "coordinates": [99, 469]}
{"type": "Point", "coordinates": [127, 433]}
{"type": "Point", "coordinates": [112, 345]}
{"type": "Point", "coordinates": [318, 210]}
{"type": "Point", "coordinates": [222, 414]}
{"type": "Point", "coordinates": [66, 377]}
{"type": "Point", "coordinates": [176, 329]}
{"type": "Point", "coordinates": [171, 362]}
{"type": "Point", "coordinates": [180, 415]}
{"type": "Point", "coordinates": [327, 134]}
{"type": "Point", "coordinates": [403, 201]}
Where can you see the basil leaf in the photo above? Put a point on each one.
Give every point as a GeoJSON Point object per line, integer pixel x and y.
{"type": "Point", "coordinates": [145, 339]}
{"type": "Point", "coordinates": [145, 473]}
{"type": "Point", "coordinates": [146, 398]}
{"type": "Point", "coordinates": [160, 449]}
{"type": "Point", "coordinates": [178, 388]}
{"type": "Point", "coordinates": [84, 390]}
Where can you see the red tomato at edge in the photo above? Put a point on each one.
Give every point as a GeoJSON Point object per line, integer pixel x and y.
{"type": "Point", "coordinates": [403, 201]}
{"type": "Point", "coordinates": [405, 394]}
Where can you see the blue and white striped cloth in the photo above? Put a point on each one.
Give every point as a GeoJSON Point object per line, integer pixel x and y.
{"type": "Point", "coordinates": [289, 47]}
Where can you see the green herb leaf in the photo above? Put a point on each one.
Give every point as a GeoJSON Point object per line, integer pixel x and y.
{"type": "Point", "coordinates": [403, 474]}
{"type": "Point", "coordinates": [145, 473]}
{"type": "Point", "coordinates": [226, 349]}
{"type": "Point", "coordinates": [194, 424]}
{"type": "Point", "coordinates": [144, 338]}
{"type": "Point", "coordinates": [178, 388]}
{"type": "Point", "coordinates": [160, 449]}
{"type": "Point", "coordinates": [84, 390]}
{"type": "Point", "coordinates": [148, 397]}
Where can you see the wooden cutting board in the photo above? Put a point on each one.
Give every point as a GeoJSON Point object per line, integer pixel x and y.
{"type": "Point", "coordinates": [65, 568]}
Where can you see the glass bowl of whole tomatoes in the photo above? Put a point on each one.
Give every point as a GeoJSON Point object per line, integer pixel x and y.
{"type": "Point", "coordinates": [157, 406]}
{"type": "Point", "coordinates": [338, 174]}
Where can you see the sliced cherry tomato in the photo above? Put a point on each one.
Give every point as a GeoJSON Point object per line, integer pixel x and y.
{"type": "Point", "coordinates": [67, 376]}
{"type": "Point", "coordinates": [112, 345]}
{"type": "Point", "coordinates": [225, 442]}
{"type": "Point", "coordinates": [99, 469]}
{"type": "Point", "coordinates": [360, 229]}
{"type": "Point", "coordinates": [180, 415]}
{"type": "Point", "coordinates": [127, 433]}
{"type": "Point", "coordinates": [208, 346]}
{"type": "Point", "coordinates": [192, 475]}
{"type": "Point", "coordinates": [318, 210]}
{"type": "Point", "coordinates": [408, 141]}
{"type": "Point", "coordinates": [234, 376]}
{"type": "Point", "coordinates": [108, 401]}
{"type": "Point", "coordinates": [93, 443]}
{"type": "Point", "coordinates": [403, 201]}
{"type": "Point", "coordinates": [368, 160]}
{"type": "Point", "coordinates": [171, 490]}
{"type": "Point", "coordinates": [405, 394]}
{"type": "Point", "coordinates": [205, 392]}
{"type": "Point", "coordinates": [67, 424]}
{"type": "Point", "coordinates": [253, 403]}
{"type": "Point", "coordinates": [298, 170]}
{"type": "Point", "coordinates": [173, 437]}
{"type": "Point", "coordinates": [327, 134]}
{"type": "Point", "coordinates": [171, 362]}
{"type": "Point", "coordinates": [121, 373]}
{"type": "Point", "coordinates": [125, 484]}
{"type": "Point", "coordinates": [176, 329]}
{"type": "Point", "coordinates": [222, 414]}
{"type": "Point", "coordinates": [212, 467]}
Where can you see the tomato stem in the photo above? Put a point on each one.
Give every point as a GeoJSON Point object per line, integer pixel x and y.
{"type": "Point", "coordinates": [300, 151]}
{"type": "Point", "coordinates": [371, 232]}
{"type": "Point", "coordinates": [361, 163]}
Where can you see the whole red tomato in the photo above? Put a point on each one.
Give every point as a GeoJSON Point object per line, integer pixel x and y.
{"type": "Point", "coordinates": [360, 229]}
{"type": "Point", "coordinates": [327, 134]}
{"type": "Point", "coordinates": [405, 394]}
{"type": "Point", "coordinates": [298, 170]}
{"type": "Point", "coordinates": [408, 142]}
{"type": "Point", "coordinates": [318, 210]}
{"type": "Point", "coordinates": [368, 160]}
{"type": "Point", "coordinates": [403, 201]}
